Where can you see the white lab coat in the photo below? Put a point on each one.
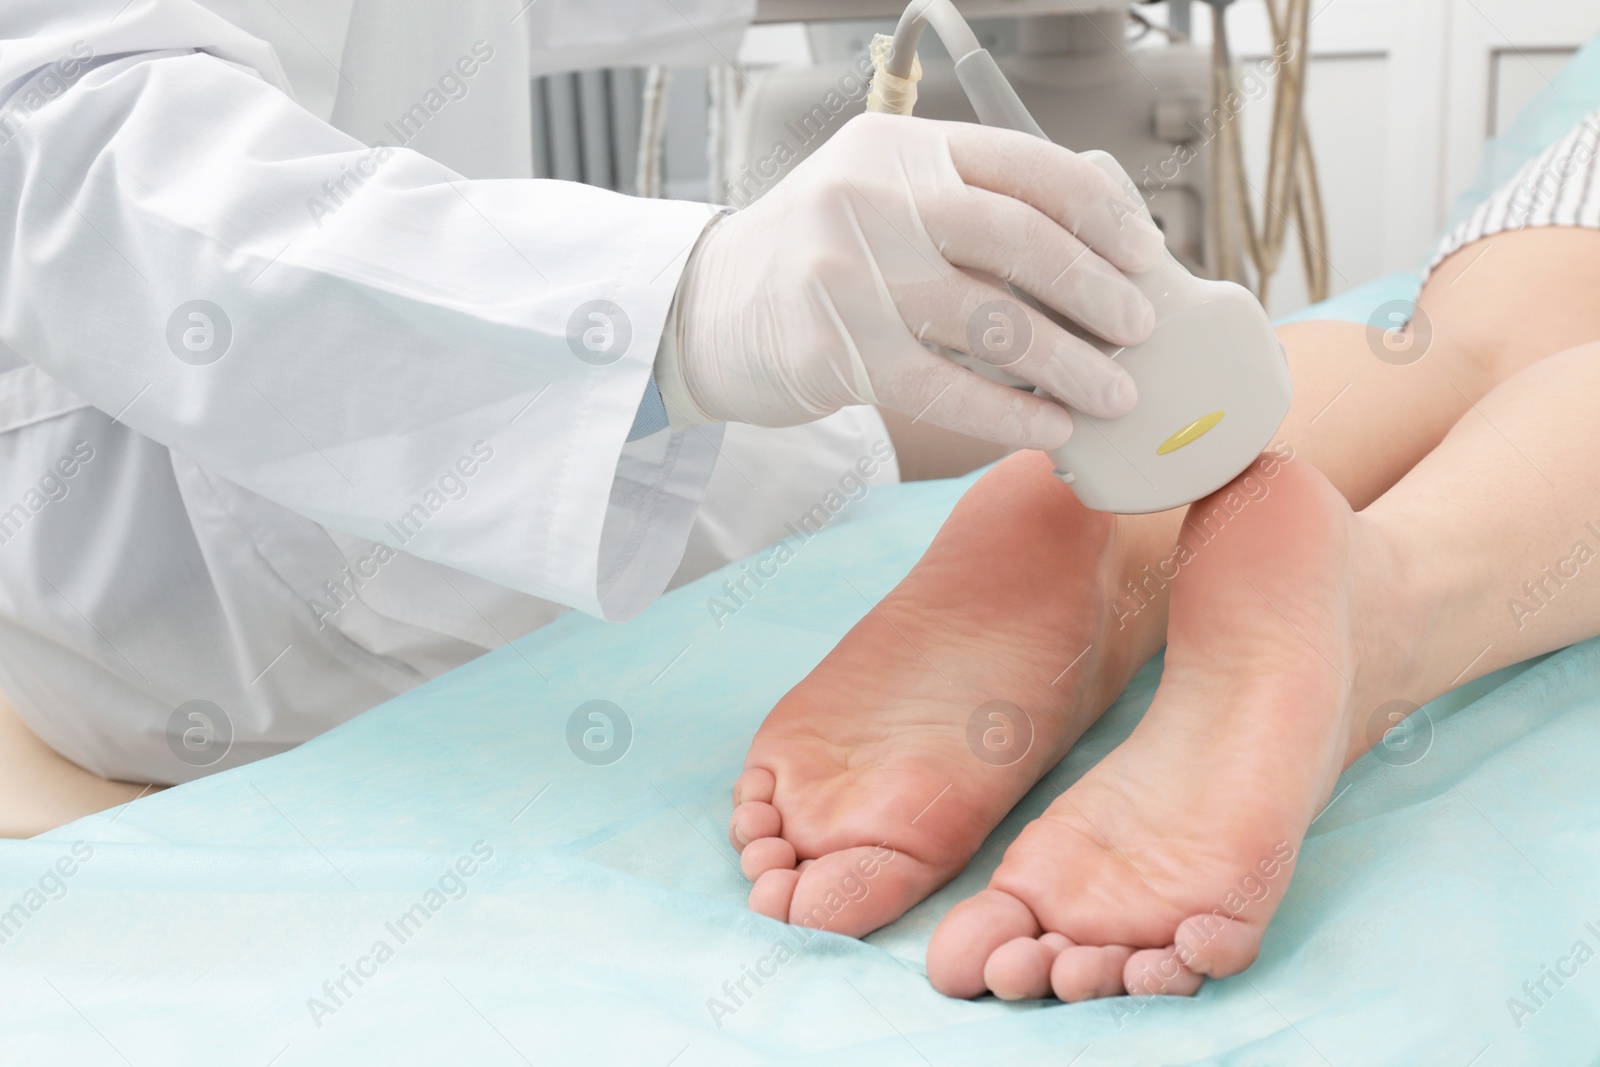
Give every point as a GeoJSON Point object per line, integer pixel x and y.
{"type": "Point", "coordinates": [290, 423]}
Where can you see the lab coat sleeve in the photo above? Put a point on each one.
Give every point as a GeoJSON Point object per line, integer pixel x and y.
{"type": "Point", "coordinates": [446, 366]}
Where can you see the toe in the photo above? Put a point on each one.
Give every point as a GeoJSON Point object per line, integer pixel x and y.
{"type": "Point", "coordinates": [751, 820]}
{"type": "Point", "coordinates": [773, 891]}
{"type": "Point", "coordinates": [766, 854]}
{"type": "Point", "coordinates": [1153, 971]}
{"type": "Point", "coordinates": [856, 890]}
{"type": "Point", "coordinates": [1216, 946]}
{"type": "Point", "coordinates": [1020, 968]}
{"type": "Point", "coordinates": [1087, 972]}
{"type": "Point", "coordinates": [969, 934]}
{"type": "Point", "coordinates": [756, 783]}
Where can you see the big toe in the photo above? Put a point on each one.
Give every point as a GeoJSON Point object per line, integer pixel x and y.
{"type": "Point", "coordinates": [1219, 947]}
{"type": "Point", "coordinates": [972, 931]}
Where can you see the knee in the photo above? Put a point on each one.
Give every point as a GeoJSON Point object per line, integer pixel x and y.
{"type": "Point", "coordinates": [1508, 302]}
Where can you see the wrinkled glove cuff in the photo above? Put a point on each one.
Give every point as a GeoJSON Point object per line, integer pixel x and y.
{"type": "Point", "coordinates": [682, 409]}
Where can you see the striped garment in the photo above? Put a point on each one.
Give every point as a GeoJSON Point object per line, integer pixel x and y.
{"type": "Point", "coordinates": [1561, 187]}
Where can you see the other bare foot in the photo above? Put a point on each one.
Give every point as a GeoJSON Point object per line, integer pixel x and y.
{"type": "Point", "coordinates": [1165, 862]}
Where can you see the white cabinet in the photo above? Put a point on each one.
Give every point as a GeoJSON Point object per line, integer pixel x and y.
{"type": "Point", "coordinates": [1401, 96]}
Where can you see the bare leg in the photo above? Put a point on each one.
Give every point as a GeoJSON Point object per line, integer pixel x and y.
{"type": "Point", "coordinates": [39, 790]}
{"type": "Point", "coordinates": [1295, 622]}
{"type": "Point", "coordinates": [1023, 581]}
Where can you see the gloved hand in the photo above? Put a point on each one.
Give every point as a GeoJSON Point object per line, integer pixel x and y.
{"type": "Point", "coordinates": [900, 229]}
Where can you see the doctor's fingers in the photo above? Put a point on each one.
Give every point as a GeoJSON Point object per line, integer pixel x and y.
{"type": "Point", "coordinates": [932, 389]}
{"type": "Point", "coordinates": [1063, 185]}
{"type": "Point", "coordinates": [1016, 242]}
{"type": "Point", "coordinates": [984, 321]}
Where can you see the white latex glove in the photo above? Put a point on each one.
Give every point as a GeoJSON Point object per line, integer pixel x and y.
{"type": "Point", "coordinates": [898, 230]}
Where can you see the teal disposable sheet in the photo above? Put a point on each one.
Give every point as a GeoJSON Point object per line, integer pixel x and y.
{"type": "Point", "coordinates": [445, 881]}
{"type": "Point", "coordinates": [604, 911]}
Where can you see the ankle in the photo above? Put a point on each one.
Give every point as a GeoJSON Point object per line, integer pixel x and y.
{"type": "Point", "coordinates": [1396, 625]}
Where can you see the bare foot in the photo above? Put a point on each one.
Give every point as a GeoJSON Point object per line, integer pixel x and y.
{"type": "Point", "coordinates": [1166, 861]}
{"type": "Point", "coordinates": [877, 777]}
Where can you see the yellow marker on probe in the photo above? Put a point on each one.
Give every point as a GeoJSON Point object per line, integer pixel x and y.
{"type": "Point", "coordinates": [1190, 433]}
